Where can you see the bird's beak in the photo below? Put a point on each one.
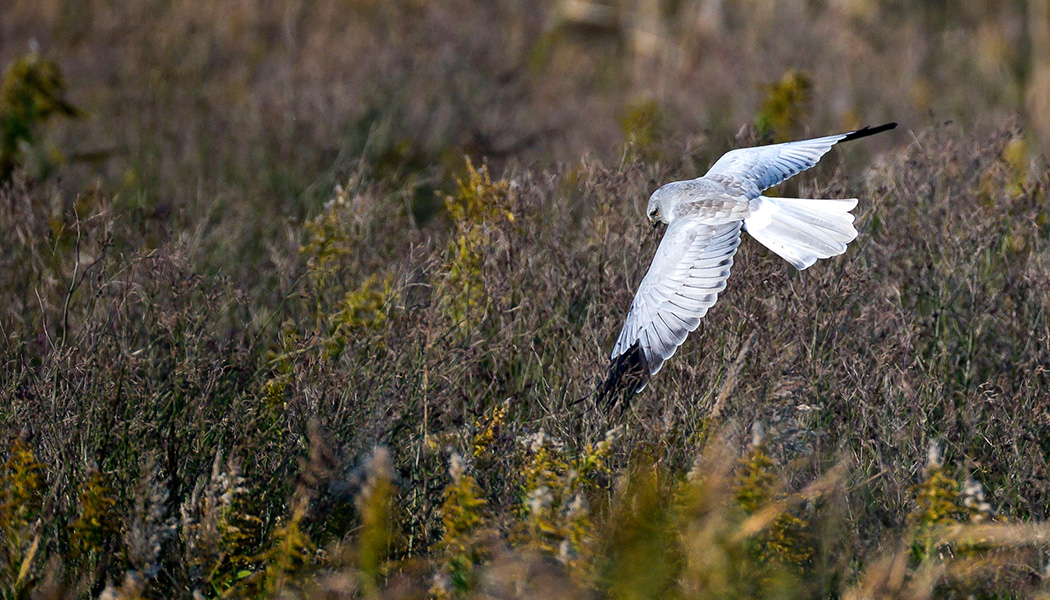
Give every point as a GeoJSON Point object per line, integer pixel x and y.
{"type": "Point", "coordinates": [654, 222]}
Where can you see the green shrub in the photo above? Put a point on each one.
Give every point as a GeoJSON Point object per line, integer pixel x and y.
{"type": "Point", "coordinates": [784, 106]}
{"type": "Point", "coordinates": [31, 94]}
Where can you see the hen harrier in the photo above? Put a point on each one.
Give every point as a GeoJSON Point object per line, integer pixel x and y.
{"type": "Point", "coordinates": [704, 218]}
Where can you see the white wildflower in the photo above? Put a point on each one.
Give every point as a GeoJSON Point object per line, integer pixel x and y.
{"type": "Point", "coordinates": [577, 507]}
{"type": "Point", "coordinates": [457, 467]}
{"type": "Point", "coordinates": [933, 455]}
{"type": "Point", "coordinates": [758, 434]}
{"type": "Point", "coordinates": [973, 499]}
{"type": "Point", "coordinates": [538, 500]}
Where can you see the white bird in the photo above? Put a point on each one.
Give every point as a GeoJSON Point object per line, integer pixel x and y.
{"type": "Point", "coordinates": [704, 218]}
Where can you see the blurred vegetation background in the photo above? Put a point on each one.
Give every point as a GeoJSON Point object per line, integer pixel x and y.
{"type": "Point", "coordinates": [309, 298]}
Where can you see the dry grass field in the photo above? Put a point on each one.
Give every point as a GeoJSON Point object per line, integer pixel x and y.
{"type": "Point", "coordinates": [310, 300]}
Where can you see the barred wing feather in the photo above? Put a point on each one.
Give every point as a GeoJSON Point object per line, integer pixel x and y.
{"type": "Point", "coordinates": [689, 270]}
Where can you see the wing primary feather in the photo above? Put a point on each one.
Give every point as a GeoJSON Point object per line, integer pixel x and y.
{"type": "Point", "coordinates": [866, 131]}
{"type": "Point", "coordinates": [682, 323]}
{"type": "Point", "coordinates": [627, 375]}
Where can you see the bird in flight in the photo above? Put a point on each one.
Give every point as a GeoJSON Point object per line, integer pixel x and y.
{"type": "Point", "coordinates": [704, 219]}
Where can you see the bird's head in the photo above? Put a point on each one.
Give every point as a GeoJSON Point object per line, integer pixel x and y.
{"type": "Point", "coordinates": [661, 207]}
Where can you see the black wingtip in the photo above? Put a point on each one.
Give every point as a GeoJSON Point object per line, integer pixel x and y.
{"type": "Point", "coordinates": [628, 373]}
{"type": "Point", "coordinates": [865, 132]}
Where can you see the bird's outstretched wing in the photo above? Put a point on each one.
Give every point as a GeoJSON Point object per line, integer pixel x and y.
{"type": "Point", "coordinates": [763, 167]}
{"type": "Point", "coordinates": [689, 270]}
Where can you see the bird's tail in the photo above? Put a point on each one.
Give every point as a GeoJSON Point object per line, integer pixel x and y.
{"type": "Point", "coordinates": [801, 231]}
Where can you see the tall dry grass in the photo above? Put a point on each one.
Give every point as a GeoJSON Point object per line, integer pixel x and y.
{"type": "Point", "coordinates": [265, 330]}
